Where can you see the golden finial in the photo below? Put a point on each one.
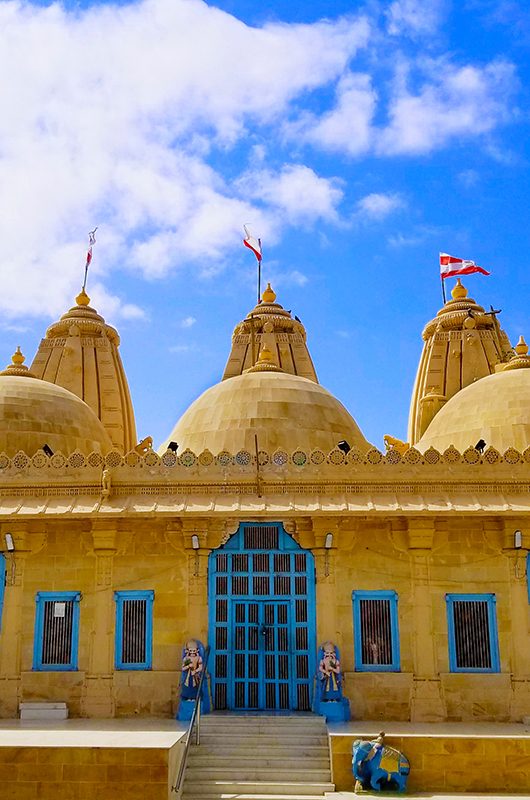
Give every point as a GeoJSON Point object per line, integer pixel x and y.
{"type": "Point", "coordinates": [82, 298]}
{"type": "Point", "coordinates": [265, 362]}
{"type": "Point", "coordinates": [18, 357]}
{"type": "Point", "coordinates": [17, 365]}
{"type": "Point", "coordinates": [268, 296]}
{"type": "Point", "coordinates": [458, 292]}
{"type": "Point", "coordinates": [521, 348]}
{"type": "Point", "coordinates": [521, 359]}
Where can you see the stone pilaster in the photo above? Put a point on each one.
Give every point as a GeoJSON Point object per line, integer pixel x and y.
{"type": "Point", "coordinates": [196, 623]}
{"type": "Point", "coordinates": [427, 702]}
{"type": "Point", "coordinates": [98, 691]}
{"type": "Point", "coordinates": [519, 621]}
{"type": "Point", "coordinates": [12, 614]}
{"type": "Point", "coordinates": [326, 599]}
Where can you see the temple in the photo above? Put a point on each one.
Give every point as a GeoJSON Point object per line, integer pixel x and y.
{"type": "Point", "coordinates": [267, 527]}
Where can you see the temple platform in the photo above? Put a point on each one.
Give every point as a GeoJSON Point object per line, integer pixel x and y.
{"type": "Point", "coordinates": [137, 758]}
{"type": "Point", "coordinates": [478, 757]}
{"type": "Point", "coordinates": [82, 759]}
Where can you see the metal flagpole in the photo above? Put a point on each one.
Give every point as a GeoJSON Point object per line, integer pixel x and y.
{"type": "Point", "coordinates": [443, 289]}
{"type": "Point", "coordinates": [259, 273]}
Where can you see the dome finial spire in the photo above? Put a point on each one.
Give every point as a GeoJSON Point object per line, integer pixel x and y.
{"type": "Point", "coordinates": [18, 357]}
{"type": "Point", "coordinates": [458, 292]}
{"type": "Point", "coordinates": [521, 359]}
{"type": "Point", "coordinates": [269, 295]}
{"type": "Point", "coordinates": [17, 366]}
{"type": "Point", "coordinates": [82, 298]}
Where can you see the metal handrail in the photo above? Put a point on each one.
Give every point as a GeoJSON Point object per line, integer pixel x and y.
{"type": "Point", "coordinates": [196, 715]}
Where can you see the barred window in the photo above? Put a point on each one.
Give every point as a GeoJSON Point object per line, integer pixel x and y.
{"type": "Point", "coordinates": [472, 628]}
{"type": "Point", "coordinates": [375, 624]}
{"type": "Point", "coordinates": [134, 629]}
{"type": "Point", "coordinates": [56, 631]}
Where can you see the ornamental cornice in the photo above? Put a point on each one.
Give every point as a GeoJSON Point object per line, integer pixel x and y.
{"type": "Point", "coordinates": [300, 464]}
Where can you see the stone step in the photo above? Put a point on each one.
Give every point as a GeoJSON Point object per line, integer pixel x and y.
{"type": "Point", "coordinates": [265, 719]}
{"type": "Point", "coordinates": [265, 730]}
{"type": "Point", "coordinates": [261, 749]}
{"type": "Point", "coordinates": [248, 772]}
{"type": "Point", "coordinates": [208, 736]}
{"type": "Point", "coordinates": [241, 789]}
{"type": "Point", "coordinates": [260, 760]}
{"type": "Point", "coordinates": [228, 795]}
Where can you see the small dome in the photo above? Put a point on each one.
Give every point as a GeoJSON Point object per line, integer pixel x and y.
{"type": "Point", "coordinates": [495, 408]}
{"type": "Point", "coordinates": [34, 413]}
{"type": "Point", "coordinates": [284, 410]}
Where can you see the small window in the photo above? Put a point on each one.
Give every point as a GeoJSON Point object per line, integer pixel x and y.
{"type": "Point", "coordinates": [375, 625]}
{"type": "Point", "coordinates": [134, 629]}
{"type": "Point", "coordinates": [56, 631]}
{"type": "Point", "coordinates": [472, 625]}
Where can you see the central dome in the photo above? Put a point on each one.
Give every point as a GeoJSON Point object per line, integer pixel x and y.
{"type": "Point", "coordinates": [285, 411]}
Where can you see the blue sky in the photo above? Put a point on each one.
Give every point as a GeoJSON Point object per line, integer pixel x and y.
{"type": "Point", "coordinates": [359, 140]}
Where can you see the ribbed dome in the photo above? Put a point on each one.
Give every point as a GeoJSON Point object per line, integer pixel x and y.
{"type": "Point", "coordinates": [284, 410]}
{"type": "Point", "coordinates": [34, 413]}
{"type": "Point", "coordinates": [495, 409]}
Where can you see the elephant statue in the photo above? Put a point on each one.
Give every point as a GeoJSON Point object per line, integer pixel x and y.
{"type": "Point", "coordinates": [378, 767]}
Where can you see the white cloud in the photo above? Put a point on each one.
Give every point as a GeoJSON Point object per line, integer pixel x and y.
{"type": "Point", "coordinates": [414, 17]}
{"type": "Point", "coordinates": [108, 117]}
{"type": "Point", "coordinates": [348, 126]}
{"type": "Point", "coordinates": [377, 206]}
{"type": "Point", "coordinates": [187, 322]}
{"type": "Point", "coordinates": [296, 191]}
{"type": "Point", "coordinates": [456, 102]}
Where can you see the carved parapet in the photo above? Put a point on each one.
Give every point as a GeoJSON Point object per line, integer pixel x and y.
{"type": "Point", "coordinates": [96, 468]}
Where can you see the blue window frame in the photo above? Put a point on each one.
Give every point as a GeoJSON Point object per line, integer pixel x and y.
{"type": "Point", "coordinates": [376, 632]}
{"type": "Point", "coordinates": [472, 629]}
{"type": "Point", "coordinates": [134, 629]}
{"type": "Point", "coordinates": [56, 631]}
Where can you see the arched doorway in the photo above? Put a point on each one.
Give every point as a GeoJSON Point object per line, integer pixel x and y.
{"type": "Point", "coordinates": [261, 596]}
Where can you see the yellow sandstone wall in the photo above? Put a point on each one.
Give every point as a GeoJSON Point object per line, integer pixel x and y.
{"type": "Point", "coordinates": [452, 763]}
{"type": "Point", "coordinates": [420, 559]}
{"type": "Point", "coordinates": [74, 773]}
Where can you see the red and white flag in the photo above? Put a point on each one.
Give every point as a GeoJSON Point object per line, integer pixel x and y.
{"type": "Point", "coordinates": [252, 243]}
{"type": "Point", "coordinates": [91, 241]}
{"type": "Point", "coordinates": [449, 266]}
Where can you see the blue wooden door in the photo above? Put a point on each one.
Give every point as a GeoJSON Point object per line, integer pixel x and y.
{"type": "Point", "coordinates": [262, 626]}
{"type": "Point", "coordinates": [262, 648]}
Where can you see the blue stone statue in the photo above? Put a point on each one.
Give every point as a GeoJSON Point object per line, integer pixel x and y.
{"type": "Point", "coordinates": [191, 671]}
{"type": "Point", "coordinates": [378, 767]}
{"type": "Point", "coordinates": [328, 693]}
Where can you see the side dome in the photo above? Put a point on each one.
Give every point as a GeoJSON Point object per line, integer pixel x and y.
{"type": "Point", "coordinates": [495, 408]}
{"type": "Point", "coordinates": [34, 413]}
{"type": "Point", "coordinates": [285, 411]}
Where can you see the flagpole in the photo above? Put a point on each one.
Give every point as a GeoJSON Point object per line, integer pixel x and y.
{"type": "Point", "coordinates": [259, 274]}
{"type": "Point", "coordinates": [443, 289]}
{"type": "Point", "coordinates": [86, 274]}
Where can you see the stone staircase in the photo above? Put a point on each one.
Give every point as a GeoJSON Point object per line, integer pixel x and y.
{"type": "Point", "coordinates": [259, 758]}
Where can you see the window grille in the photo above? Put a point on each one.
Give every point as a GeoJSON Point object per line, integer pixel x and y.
{"type": "Point", "coordinates": [375, 623]}
{"type": "Point", "coordinates": [56, 631]}
{"type": "Point", "coordinates": [472, 628]}
{"type": "Point", "coordinates": [134, 629]}
{"type": "Point", "coordinates": [261, 537]}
